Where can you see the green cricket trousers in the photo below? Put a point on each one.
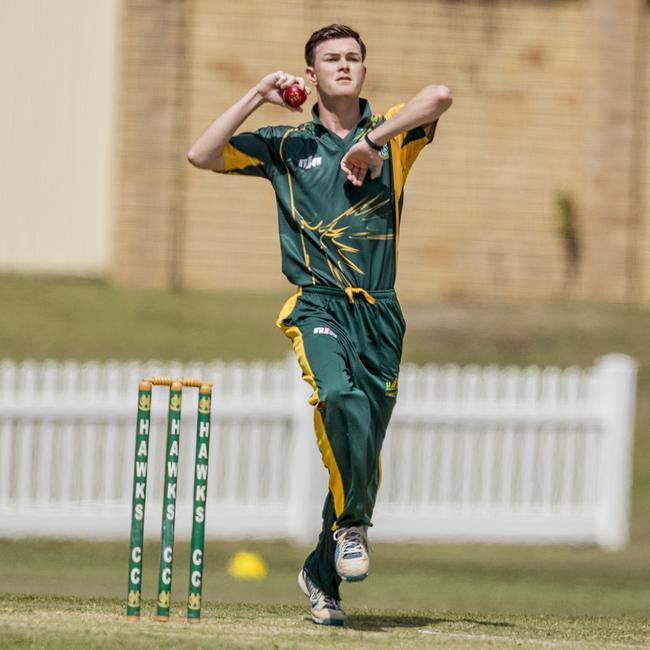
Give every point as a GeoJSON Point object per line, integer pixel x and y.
{"type": "Point", "coordinates": [349, 346]}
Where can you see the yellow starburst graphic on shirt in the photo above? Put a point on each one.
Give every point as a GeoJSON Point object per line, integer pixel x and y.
{"type": "Point", "coordinates": [338, 253]}
{"type": "Point", "coordinates": [334, 237]}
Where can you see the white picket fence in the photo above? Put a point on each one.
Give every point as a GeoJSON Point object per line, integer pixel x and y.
{"type": "Point", "coordinates": [505, 454]}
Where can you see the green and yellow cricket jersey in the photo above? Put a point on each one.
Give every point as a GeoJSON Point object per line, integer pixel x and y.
{"type": "Point", "coordinates": [331, 232]}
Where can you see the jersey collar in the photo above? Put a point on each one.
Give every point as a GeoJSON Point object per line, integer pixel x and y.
{"type": "Point", "coordinates": [366, 114]}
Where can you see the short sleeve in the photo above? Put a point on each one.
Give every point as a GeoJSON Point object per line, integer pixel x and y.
{"type": "Point", "coordinates": [253, 153]}
{"type": "Point", "coordinates": [407, 146]}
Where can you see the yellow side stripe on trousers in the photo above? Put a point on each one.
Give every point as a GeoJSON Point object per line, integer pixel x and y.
{"type": "Point", "coordinates": [287, 308]}
{"type": "Point", "coordinates": [336, 481]}
{"type": "Point", "coordinates": [294, 333]}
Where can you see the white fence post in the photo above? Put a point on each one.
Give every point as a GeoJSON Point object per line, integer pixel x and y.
{"type": "Point", "coordinates": [615, 376]}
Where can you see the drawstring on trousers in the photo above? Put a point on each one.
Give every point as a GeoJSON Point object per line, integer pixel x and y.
{"type": "Point", "coordinates": [350, 292]}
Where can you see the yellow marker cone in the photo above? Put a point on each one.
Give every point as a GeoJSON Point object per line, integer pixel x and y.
{"type": "Point", "coordinates": [247, 566]}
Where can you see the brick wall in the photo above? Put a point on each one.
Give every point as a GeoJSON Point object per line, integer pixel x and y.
{"type": "Point", "coordinates": [546, 106]}
{"type": "Point", "coordinates": [151, 140]}
{"type": "Point", "coordinates": [642, 169]}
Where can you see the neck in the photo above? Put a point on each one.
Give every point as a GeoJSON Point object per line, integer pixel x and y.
{"type": "Point", "coordinates": [339, 114]}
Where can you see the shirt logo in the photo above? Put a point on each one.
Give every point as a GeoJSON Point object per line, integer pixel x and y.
{"type": "Point", "coordinates": [324, 330]}
{"type": "Point", "coordinates": [310, 162]}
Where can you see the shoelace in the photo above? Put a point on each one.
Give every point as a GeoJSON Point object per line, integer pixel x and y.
{"type": "Point", "coordinates": [330, 603]}
{"type": "Point", "coordinates": [352, 540]}
{"type": "Point", "coordinates": [318, 595]}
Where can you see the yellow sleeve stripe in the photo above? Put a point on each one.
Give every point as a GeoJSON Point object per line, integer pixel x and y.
{"type": "Point", "coordinates": [410, 152]}
{"type": "Point", "coordinates": [235, 159]}
{"type": "Point", "coordinates": [393, 110]}
{"type": "Point", "coordinates": [405, 153]}
{"type": "Point", "coordinates": [399, 177]}
{"type": "Point", "coordinates": [398, 185]}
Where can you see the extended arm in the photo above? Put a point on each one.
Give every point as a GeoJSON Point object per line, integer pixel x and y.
{"type": "Point", "coordinates": [207, 150]}
{"type": "Point", "coordinates": [426, 107]}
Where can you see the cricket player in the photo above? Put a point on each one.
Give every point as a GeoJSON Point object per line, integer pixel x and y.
{"type": "Point", "coordinates": [339, 184]}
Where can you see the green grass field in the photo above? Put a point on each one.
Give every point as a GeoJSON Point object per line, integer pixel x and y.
{"type": "Point", "coordinates": [70, 594]}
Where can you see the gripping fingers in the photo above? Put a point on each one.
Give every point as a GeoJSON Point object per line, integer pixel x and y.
{"type": "Point", "coordinates": [288, 80]}
{"type": "Point", "coordinates": [294, 80]}
{"type": "Point", "coordinates": [284, 80]}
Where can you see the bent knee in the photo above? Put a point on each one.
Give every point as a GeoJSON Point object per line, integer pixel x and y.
{"type": "Point", "coordinates": [339, 396]}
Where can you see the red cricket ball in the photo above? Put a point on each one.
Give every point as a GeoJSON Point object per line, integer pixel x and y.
{"type": "Point", "coordinates": [294, 95]}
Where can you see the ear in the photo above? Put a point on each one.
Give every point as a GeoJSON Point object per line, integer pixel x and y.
{"type": "Point", "coordinates": [310, 73]}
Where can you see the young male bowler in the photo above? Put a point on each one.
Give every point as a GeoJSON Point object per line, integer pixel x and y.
{"type": "Point", "coordinates": [339, 181]}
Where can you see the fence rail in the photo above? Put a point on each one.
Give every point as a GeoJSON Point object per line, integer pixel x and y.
{"type": "Point", "coordinates": [510, 454]}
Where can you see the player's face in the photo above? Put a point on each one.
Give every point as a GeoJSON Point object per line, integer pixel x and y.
{"type": "Point", "coordinates": [338, 70]}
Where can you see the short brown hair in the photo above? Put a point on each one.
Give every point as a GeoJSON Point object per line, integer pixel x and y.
{"type": "Point", "coordinates": [328, 33]}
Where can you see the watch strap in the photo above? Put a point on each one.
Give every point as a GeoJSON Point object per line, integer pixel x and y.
{"type": "Point", "coordinates": [372, 144]}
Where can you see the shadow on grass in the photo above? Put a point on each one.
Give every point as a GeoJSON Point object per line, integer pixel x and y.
{"type": "Point", "coordinates": [375, 623]}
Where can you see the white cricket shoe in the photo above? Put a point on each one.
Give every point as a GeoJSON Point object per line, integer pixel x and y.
{"type": "Point", "coordinates": [325, 610]}
{"type": "Point", "coordinates": [351, 554]}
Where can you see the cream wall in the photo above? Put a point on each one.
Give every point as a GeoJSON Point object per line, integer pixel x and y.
{"type": "Point", "coordinates": [57, 79]}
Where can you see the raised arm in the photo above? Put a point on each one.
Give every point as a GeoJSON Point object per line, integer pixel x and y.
{"type": "Point", "coordinates": [207, 150]}
{"type": "Point", "coordinates": [425, 108]}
